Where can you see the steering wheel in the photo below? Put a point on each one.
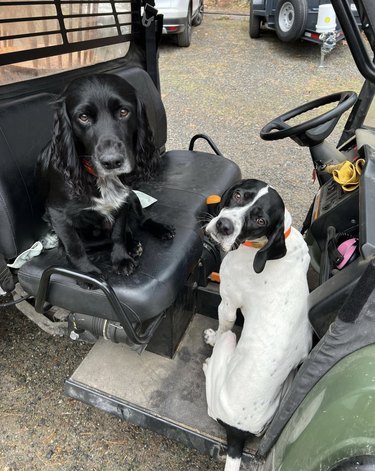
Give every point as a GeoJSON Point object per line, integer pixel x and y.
{"type": "Point", "coordinates": [314, 130]}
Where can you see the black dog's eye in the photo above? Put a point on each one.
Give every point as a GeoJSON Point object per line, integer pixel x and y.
{"type": "Point", "coordinates": [83, 118]}
{"type": "Point", "coordinates": [123, 113]}
{"type": "Point", "coordinates": [261, 221]}
{"type": "Point", "coordinates": [236, 196]}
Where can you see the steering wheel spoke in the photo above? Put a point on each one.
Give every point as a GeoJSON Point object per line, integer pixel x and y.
{"type": "Point", "coordinates": [281, 125]}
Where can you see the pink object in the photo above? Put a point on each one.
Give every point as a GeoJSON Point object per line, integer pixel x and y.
{"type": "Point", "coordinates": [347, 249]}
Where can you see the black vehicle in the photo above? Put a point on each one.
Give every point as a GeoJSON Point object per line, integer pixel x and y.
{"type": "Point", "coordinates": [162, 309]}
{"type": "Point", "coordinates": [311, 20]}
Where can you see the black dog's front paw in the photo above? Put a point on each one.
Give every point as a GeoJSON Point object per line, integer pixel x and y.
{"type": "Point", "coordinates": [168, 232]}
{"type": "Point", "coordinates": [164, 231]}
{"type": "Point", "coordinates": [125, 267]}
{"type": "Point", "coordinates": [136, 249]}
{"type": "Point", "coordinates": [160, 230]}
{"type": "Point", "coordinates": [122, 262]}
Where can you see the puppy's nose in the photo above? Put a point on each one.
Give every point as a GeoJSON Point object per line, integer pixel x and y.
{"type": "Point", "coordinates": [225, 226]}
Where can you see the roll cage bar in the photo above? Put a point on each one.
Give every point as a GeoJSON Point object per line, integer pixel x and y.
{"type": "Point", "coordinates": [366, 10]}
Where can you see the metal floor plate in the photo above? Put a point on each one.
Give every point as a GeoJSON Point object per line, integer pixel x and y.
{"type": "Point", "coordinates": [162, 394]}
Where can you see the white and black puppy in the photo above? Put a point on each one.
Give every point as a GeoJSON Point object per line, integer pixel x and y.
{"type": "Point", "coordinates": [264, 275]}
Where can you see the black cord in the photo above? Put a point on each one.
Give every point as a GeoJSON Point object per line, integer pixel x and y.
{"type": "Point", "coordinates": [12, 303]}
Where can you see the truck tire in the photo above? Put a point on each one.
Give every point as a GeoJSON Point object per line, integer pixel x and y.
{"type": "Point", "coordinates": [197, 20]}
{"type": "Point", "coordinates": [290, 19]}
{"type": "Point", "coordinates": [184, 38]}
{"type": "Point", "coordinates": [254, 23]}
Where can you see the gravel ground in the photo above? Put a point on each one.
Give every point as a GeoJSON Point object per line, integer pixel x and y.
{"type": "Point", "coordinates": [228, 87]}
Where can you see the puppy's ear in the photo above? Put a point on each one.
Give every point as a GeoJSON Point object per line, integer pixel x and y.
{"type": "Point", "coordinates": [147, 156]}
{"type": "Point", "coordinates": [274, 249]}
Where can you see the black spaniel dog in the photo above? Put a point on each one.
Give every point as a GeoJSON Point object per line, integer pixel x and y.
{"type": "Point", "coordinates": [101, 146]}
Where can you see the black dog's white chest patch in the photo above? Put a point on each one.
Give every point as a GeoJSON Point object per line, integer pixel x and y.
{"type": "Point", "coordinates": [113, 195]}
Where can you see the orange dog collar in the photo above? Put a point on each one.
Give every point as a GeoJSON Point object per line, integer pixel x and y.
{"type": "Point", "coordinates": [88, 167]}
{"type": "Point", "coordinates": [259, 245]}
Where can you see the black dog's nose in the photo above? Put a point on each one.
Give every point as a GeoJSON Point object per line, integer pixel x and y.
{"type": "Point", "coordinates": [225, 226]}
{"type": "Point", "coordinates": [111, 162]}
{"type": "Point", "coordinates": [110, 150]}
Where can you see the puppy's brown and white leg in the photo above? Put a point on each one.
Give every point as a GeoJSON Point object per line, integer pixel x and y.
{"type": "Point", "coordinates": [227, 313]}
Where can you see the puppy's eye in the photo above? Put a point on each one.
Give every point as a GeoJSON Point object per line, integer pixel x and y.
{"type": "Point", "coordinates": [261, 221]}
{"type": "Point", "coordinates": [83, 118]}
{"type": "Point", "coordinates": [236, 196]}
{"type": "Point", "coordinates": [123, 113]}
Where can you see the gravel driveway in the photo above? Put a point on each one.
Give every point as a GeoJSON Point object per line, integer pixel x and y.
{"type": "Point", "coordinates": [228, 87]}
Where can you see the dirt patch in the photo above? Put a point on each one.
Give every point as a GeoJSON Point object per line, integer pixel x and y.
{"type": "Point", "coordinates": [226, 5]}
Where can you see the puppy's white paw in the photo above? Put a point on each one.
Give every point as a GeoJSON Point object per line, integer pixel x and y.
{"type": "Point", "coordinates": [209, 336]}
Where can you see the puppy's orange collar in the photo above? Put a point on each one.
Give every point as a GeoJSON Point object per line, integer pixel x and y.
{"type": "Point", "coordinates": [88, 167]}
{"type": "Point", "coordinates": [259, 245]}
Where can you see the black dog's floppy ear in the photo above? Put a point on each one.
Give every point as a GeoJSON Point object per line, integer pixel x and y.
{"type": "Point", "coordinates": [147, 154]}
{"type": "Point", "coordinates": [274, 249]}
{"type": "Point", "coordinates": [61, 151]}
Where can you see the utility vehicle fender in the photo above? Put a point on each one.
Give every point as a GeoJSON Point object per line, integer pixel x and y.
{"type": "Point", "coordinates": [334, 422]}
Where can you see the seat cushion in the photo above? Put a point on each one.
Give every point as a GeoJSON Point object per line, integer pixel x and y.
{"type": "Point", "coordinates": [185, 180]}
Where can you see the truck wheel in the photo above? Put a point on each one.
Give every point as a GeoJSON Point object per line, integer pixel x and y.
{"type": "Point", "coordinates": [290, 19]}
{"type": "Point", "coordinates": [184, 38]}
{"type": "Point", "coordinates": [199, 16]}
{"type": "Point", "coordinates": [254, 23]}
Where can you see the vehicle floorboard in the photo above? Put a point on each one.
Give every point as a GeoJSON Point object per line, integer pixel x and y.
{"type": "Point", "coordinates": [162, 394]}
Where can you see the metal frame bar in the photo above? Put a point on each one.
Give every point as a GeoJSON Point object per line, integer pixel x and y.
{"type": "Point", "coordinates": [68, 30]}
{"type": "Point", "coordinates": [68, 46]}
{"type": "Point", "coordinates": [208, 140]}
{"type": "Point", "coordinates": [354, 39]}
{"type": "Point", "coordinates": [26, 55]}
{"type": "Point", "coordinates": [62, 2]}
{"type": "Point", "coordinates": [358, 113]}
{"type": "Point", "coordinates": [121, 316]}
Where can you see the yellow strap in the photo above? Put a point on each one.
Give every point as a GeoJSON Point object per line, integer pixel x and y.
{"type": "Point", "coordinates": [347, 174]}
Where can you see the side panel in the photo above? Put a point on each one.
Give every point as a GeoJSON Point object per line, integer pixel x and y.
{"type": "Point", "coordinates": [335, 421]}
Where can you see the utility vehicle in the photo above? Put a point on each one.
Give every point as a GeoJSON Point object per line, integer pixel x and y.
{"type": "Point", "coordinates": [145, 364]}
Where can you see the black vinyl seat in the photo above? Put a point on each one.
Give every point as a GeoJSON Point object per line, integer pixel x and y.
{"type": "Point", "coordinates": [185, 182]}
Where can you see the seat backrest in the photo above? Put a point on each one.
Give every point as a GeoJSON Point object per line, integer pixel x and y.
{"type": "Point", "coordinates": [25, 128]}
